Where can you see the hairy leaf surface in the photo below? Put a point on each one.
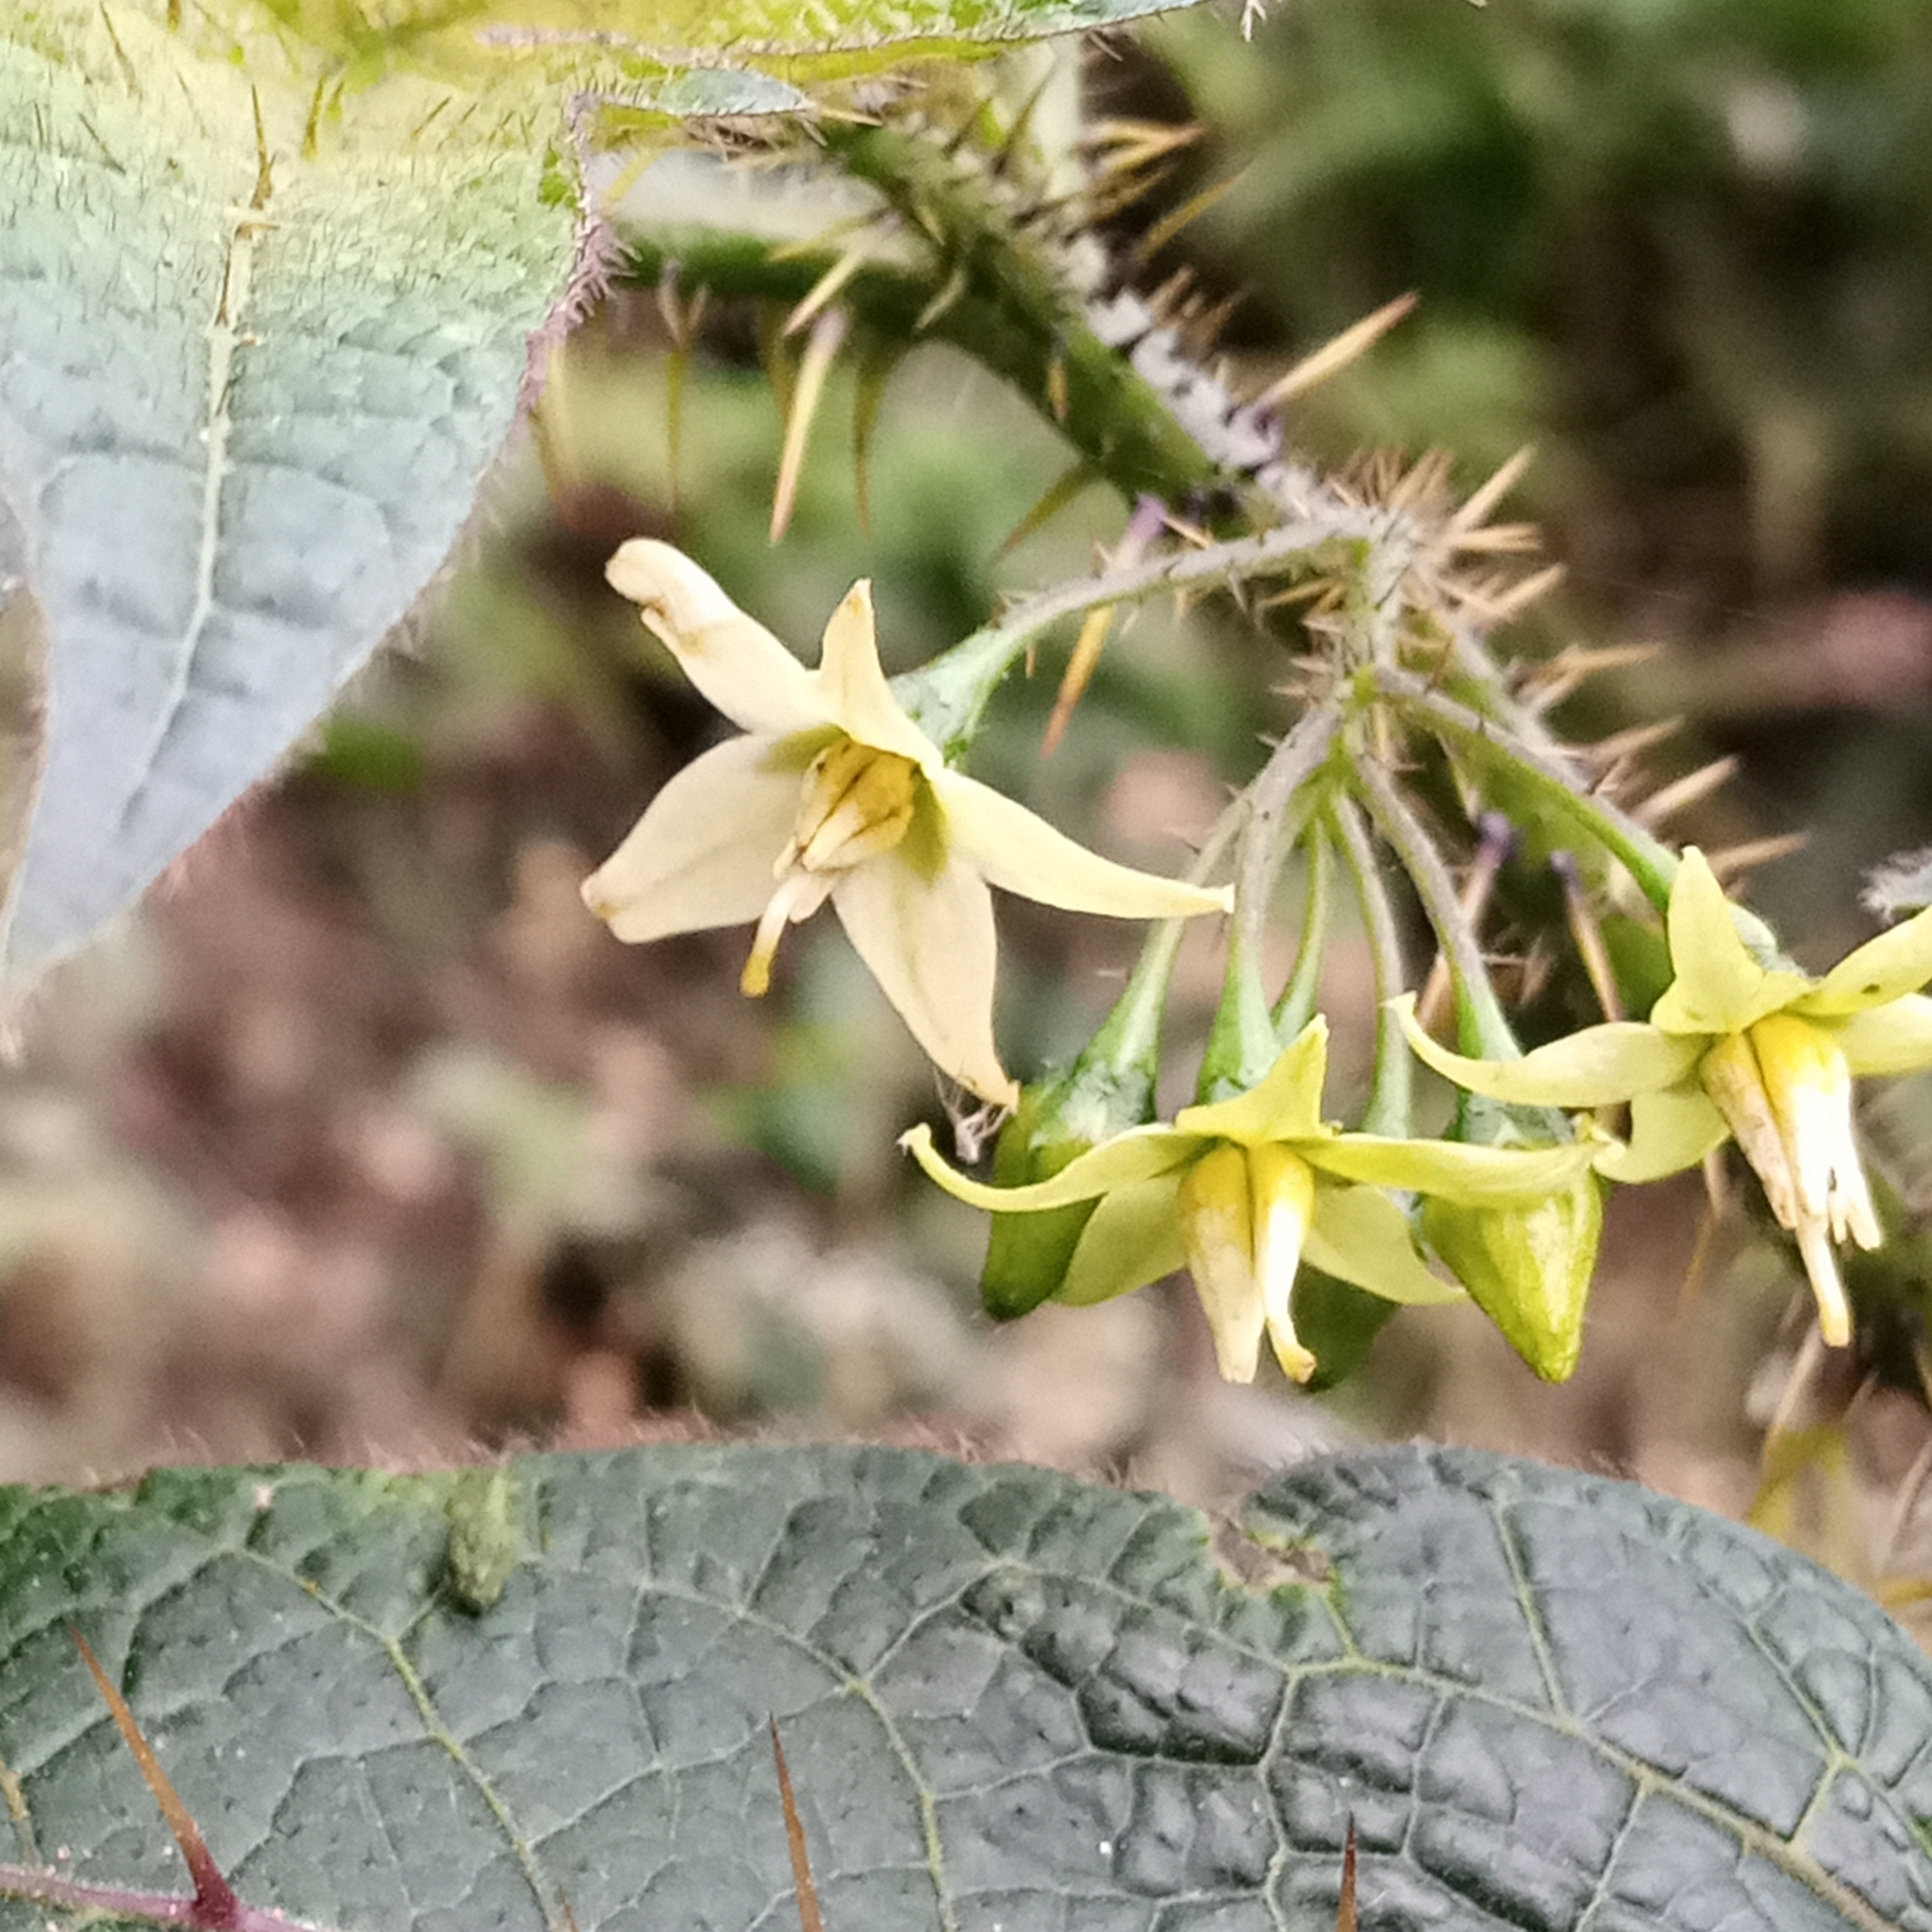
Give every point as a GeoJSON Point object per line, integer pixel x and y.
{"type": "Point", "coordinates": [259, 340]}
{"type": "Point", "coordinates": [268, 275]}
{"type": "Point", "coordinates": [1008, 1701]}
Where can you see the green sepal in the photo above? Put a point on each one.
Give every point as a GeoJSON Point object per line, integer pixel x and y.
{"type": "Point", "coordinates": [1242, 1043]}
{"type": "Point", "coordinates": [1641, 958]}
{"type": "Point", "coordinates": [1027, 1255]}
{"type": "Point", "coordinates": [1529, 1269]}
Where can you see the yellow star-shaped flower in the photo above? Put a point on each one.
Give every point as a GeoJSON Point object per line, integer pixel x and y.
{"type": "Point", "coordinates": [1747, 1047]}
{"type": "Point", "coordinates": [1241, 1192]}
{"type": "Point", "coordinates": [833, 792]}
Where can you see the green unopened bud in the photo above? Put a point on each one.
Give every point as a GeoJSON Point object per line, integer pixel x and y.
{"type": "Point", "coordinates": [1060, 1118]}
{"type": "Point", "coordinates": [1106, 1091]}
{"type": "Point", "coordinates": [1108, 1088]}
{"type": "Point", "coordinates": [1527, 1268]}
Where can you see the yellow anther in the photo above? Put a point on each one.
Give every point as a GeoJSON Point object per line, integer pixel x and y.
{"type": "Point", "coordinates": [1282, 1186]}
{"type": "Point", "coordinates": [799, 896]}
{"type": "Point", "coordinates": [857, 804]}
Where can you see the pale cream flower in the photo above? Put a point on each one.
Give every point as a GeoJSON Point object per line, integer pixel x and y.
{"type": "Point", "coordinates": [1242, 1191]}
{"type": "Point", "coordinates": [1747, 1047]}
{"type": "Point", "coordinates": [834, 793]}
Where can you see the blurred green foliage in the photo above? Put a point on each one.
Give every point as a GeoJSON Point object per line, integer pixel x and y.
{"type": "Point", "coordinates": [1684, 246]}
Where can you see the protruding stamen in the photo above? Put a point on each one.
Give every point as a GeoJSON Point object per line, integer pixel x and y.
{"type": "Point", "coordinates": [1730, 1076]}
{"type": "Point", "coordinates": [799, 896]}
{"type": "Point", "coordinates": [856, 802]}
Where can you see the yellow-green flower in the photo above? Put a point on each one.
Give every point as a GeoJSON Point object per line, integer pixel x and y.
{"type": "Point", "coordinates": [1747, 1048]}
{"type": "Point", "coordinates": [1239, 1192]}
{"type": "Point", "coordinates": [834, 793]}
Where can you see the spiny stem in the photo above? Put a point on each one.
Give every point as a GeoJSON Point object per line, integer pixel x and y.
{"type": "Point", "coordinates": [1273, 822]}
{"type": "Point", "coordinates": [948, 694]}
{"type": "Point", "coordinates": [1010, 314]}
{"type": "Point", "coordinates": [1647, 859]}
{"type": "Point", "coordinates": [1485, 1029]}
{"type": "Point", "coordinates": [1390, 1088]}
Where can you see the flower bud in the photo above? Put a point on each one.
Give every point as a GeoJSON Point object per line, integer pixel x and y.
{"type": "Point", "coordinates": [1027, 1255]}
{"type": "Point", "coordinates": [1527, 1268]}
{"type": "Point", "coordinates": [1108, 1088]}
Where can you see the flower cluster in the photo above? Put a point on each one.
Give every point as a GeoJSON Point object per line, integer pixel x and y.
{"type": "Point", "coordinates": [1242, 1191]}
{"type": "Point", "coordinates": [834, 794]}
{"type": "Point", "coordinates": [1744, 1047]}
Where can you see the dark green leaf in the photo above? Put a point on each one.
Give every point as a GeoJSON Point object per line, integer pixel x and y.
{"type": "Point", "coordinates": [1546, 1701]}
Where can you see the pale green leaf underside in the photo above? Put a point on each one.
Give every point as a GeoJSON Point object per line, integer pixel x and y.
{"type": "Point", "coordinates": [1008, 1701]}
{"type": "Point", "coordinates": [243, 412]}
{"type": "Point", "coordinates": [242, 421]}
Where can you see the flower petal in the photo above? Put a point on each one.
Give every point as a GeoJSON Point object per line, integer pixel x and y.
{"type": "Point", "coordinates": [1896, 962]}
{"type": "Point", "coordinates": [1360, 1235]}
{"type": "Point", "coordinates": [1141, 1153]}
{"type": "Point", "coordinates": [1719, 987]}
{"type": "Point", "coordinates": [1896, 1037]}
{"type": "Point", "coordinates": [733, 659]}
{"type": "Point", "coordinates": [1590, 1068]}
{"type": "Point", "coordinates": [929, 943]}
{"type": "Point", "coordinates": [1669, 1131]}
{"type": "Point", "coordinates": [1018, 852]}
{"type": "Point", "coordinates": [1286, 1105]}
{"type": "Point", "coordinates": [1453, 1169]}
{"type": "Point", "coordinates": [702, 854]}
{"type": "Point", "coordinates": [1132, 1238]}
{"type": "Point", "coordinates": [853, 687]}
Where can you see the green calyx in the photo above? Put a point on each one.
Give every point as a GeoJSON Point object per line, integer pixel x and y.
{"type": "Point", "coordinates": [1529, 1269]}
